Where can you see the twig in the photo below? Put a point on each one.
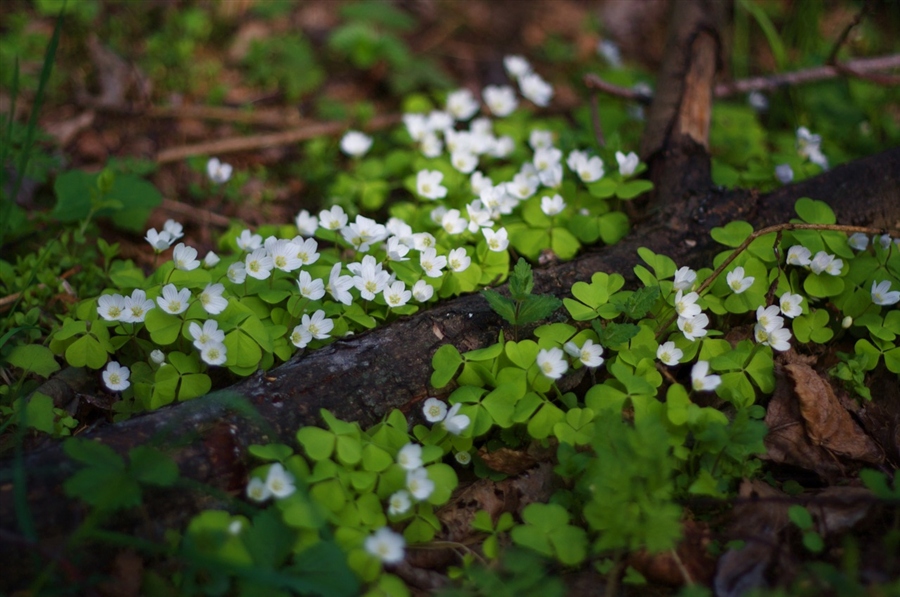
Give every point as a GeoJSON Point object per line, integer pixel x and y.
{"type": "Point", "coordinates": [595, 120]}
{"type": "Point", "coordinates": [235, 144]}
{"type": "Point", "coordinates": [832, 55]}
{"type": "Point", "coordinates": [594, 82]}
{"type": "Point", "coordinates": [862, 68]}
{"type": "Point", "coordinates": [9, 299]}
{"type": "Point", "coordinates": [204, 216]}
{"type": "Point", "coordinates": [769, 230]}
{"type": "Point", "coordinates": [275, 118]}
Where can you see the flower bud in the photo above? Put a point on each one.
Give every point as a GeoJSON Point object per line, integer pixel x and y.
{"type": "Point", "coordinates": [847, 322]}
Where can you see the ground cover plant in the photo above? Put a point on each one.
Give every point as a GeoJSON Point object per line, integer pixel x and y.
{"type": "Point", "coordinates": [665, 426]}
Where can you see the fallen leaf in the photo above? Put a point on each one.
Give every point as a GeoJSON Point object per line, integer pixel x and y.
{"type": "Point", "coordinates": [828, 424]}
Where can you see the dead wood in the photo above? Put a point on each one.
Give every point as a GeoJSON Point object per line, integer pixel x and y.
{"type": "Point", "coordinates": [364, 377]}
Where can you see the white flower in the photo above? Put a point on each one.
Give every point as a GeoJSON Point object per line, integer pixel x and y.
{"type": "Point", "coordinates": [456, 423]}
{"type": "Point", "coordinates": [479, 216]}
{"type": "Point", "coordinates": [536, 89]}
{"type": "Point", "coordinates": [700, 380]}
{"type": "Point", "coordinates": [588, 354]}
{"type": "Point", "coordinates": [438, 120]}
{"type": "Point", "coordinates": [418, 483]}
{"type": "Point", "coordinates": [540, 139]}
{"type": "Point", "coordinates": [884, 240]}
{"type": "Point", "coordinates": [355, 144]}
{"type": "Point", "coordinates": [883, 295]}
{"type": "Point", "coordinates": [685, 278]}
{"type": "Point", "coordinates": [502, 146]}
{"type": "Point", "coordinates": [479, 182]}
{"type": "Point", "coordinates": [285, 255]}
{"type": "Point", "coordinates": [396, 294]}
{"type": "Point", "coordinates": [386, 545]}
{"type": "Point", "coordinates": [235, 527]}
{"type": "Point", "coordinates": [428, 184]}
{"type": "Point", "coordinates": [458, 261]}
{"type": "Point", "coordinates": [364, 232]}
{"type": "Point", "coordinates": [461, 104]}
{"type": "Point", "coordinates": [737, 281]}
{"type": "Point", "coordinates": [218, 172]}
{"type": "Point", "coordinates": [575, 159]}
{"type": "Point", "coordinates": [174, 301]}
{"type": "Point", "coordinates": [552, 362]}
{"type": "Point", "coordinates": [399, 503]}
{"type": "Point", "coordinates": [431, 145]}
{"type": "Point", "coordinates": [669, 354]}
{"type": "Point", "coordinates": [334, 218]}
{"type": "Point", "coordinates": [210, 260]}
{"type": "Point", "coordinates": [858, 241]}
{"type": "Point", "coordinates": [590, 169]}
{"type": "Point", "coordinates": [174, 229]}
{"type": "Point", "coordinates": [158, 357]}
{"type": "Point", "coordinates": [410, 457]}
{"type": "Point", "coordinates": [423, 240]}
{"type": "Point", "coordinates": [416, 125]}
{"type": "Point", "coordinates": [257, 490]}
{"type": "Point", "coordinates": [825, 262]}
{"type": "Point", "coordinates": [453, 223]}
{"type": "Point", "coordinates": [758, 101]}
{"type": "Point", "coordinates": [791, 304]}
{"type": "Point", "coordinates": [464, 161]}
{"type": "Point", "coordinates": [300, 336]}
{"type": "Point", "coordinates": [248, 241]}
{"type": "Point", "coordinates": [339, 286]}
{"type": "Point", "coordinates": [396, 250]}
{"type": "Point", "coordinates": [778, 337]}
{"type": "Point", "coordinates": [784, 173]}
{"type": "Point", "coordinates": [769, 318]}
{"type": "Point", "coordinates": [111, 307]}
{"type": "Point", "coordinates": [610, 52]}
{"type": "Point", "coordinates": [208, 334]}
{"type": "Point", "coordinates": [422, 291]}
{"type": "Point", "coordinates": [516, 66]}
{"type": "Point", "coordinates": [695, 327]}
{"type": "Point", "coordinates": [500, 100]}
{"type": "Point", "coordinates": [160, 241]}
{"type": "Point", "coordinates": [627, 163]}
{"type": "Point", "coordinates": [798, 255]}
{"type": "Point", "coordinates": [307, 250]}
{"type": "Point", "coordinates": [464, 458]}
{"type": "Point", "coordinates": [279, 482]}
{"type": "Point", "coordinates": [552, 176]}
{"type": "Point", "coordinates": [318, 325]}
{"type": "Point", "coordinates": [212, 300]}
{"type": "Point", "coordinates": [496, 241]}
{"type": "Point", "coordinates": [185, 258]}
{"type": "Point", "coordinates": [432, 263]}
{"type": "Point", "coordinates": [551, 206]}
{"type": "Point", "coordinates": [309, 288]}
{"type": "Point", "coordinates": [369, 277]}
{"type": "Point", "coordinates": [214, 353]}
{"type": "Point", "coordinates": [115, 376]}
{"type": "Point", "coordinates": [434, 410]}
{"type": "Point", "coordinates": [258, 264]}
{"type": "Point", "coordinates": [306, 224]}
{"type": "Point", "coordinates": [237, 272]}
{"type": "Point", "coordinates": [686, 304]}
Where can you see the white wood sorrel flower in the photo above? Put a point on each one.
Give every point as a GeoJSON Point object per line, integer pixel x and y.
{"type": "Point", "coordinates": [434, 410]}
{"type": "Point", "coordinates": [700, 380]}
{"type": "Point", "coordinates": [386, 545]}
{"type": "Point", "coordinates": [738, 281]}
{"type": "Point", "coordinates": [115, 376]}
{"type": "Point", "coordinates": [174, 301]}
{"type": "Point", "coordinates": [552, 362]}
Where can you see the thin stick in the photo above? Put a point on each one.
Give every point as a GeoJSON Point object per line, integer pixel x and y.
{"type": "Point", "coordinates": [771, 229]}
{"type": "Point", "coordinates": [864, 68]}
{"type": "Point", "coordinates": [204, 216]}
{"type": "Point", "coordinates": [595, 120]}
{"type": "Point", "coordinates": [295, 135]}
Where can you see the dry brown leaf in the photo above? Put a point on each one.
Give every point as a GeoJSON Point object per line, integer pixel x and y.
{"type": "Point", "coordinates": [507, 461]}
{"type": "Point", "coordinates": [828, 424]}
{"type": "Point", "coordinates": [787, 441]}
{"type": "Point", "coordinates": [689, 563]}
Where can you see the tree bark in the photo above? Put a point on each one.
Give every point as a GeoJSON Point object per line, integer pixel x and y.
{"type": "Point", "coordinates": [362, 378]}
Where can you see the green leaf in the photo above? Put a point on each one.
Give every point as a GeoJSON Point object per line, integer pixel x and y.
{"type": "Point", "coordinates": [639, 302]}
{"type": "Point", "coordinates": [521, 282]}
{"type": "Point", "coordinates": [318, 443]}
{"type": "Point", "coordinates": [164, 328]}
{"type": "Point", "coordinates": [613, 227]}
{"type": "Point", "coordinates": [616, 334]}
{"type": "Point", "coordinates": [34, 358]}
{"type": "Point", "coordinates": [150, 466]}
{"type": "Point", "coordinates": [732, 234]}
{"type": "Point", "coordinates": [814, 212]}
{"type": "Point", "coordinates": [271, 452]}
{"type": "Point", "coordinates": [633, 188]}
{"type": "Point", "coordinates": [446, 362]}
{"type": "Point", "coordinates": [536, 308]}
{"type": "Point", "coordinates": [503, 306]}
{"type": "Point", "coordinates": [86, 352]}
